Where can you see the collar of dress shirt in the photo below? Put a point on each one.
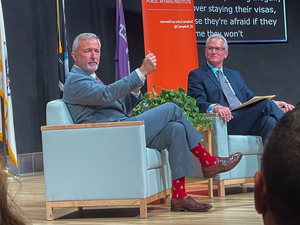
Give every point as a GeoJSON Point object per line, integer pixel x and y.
{"type": "Point", "coordinates": [214, 69]}
{"type": "Point", "coordinates": [93, 75]}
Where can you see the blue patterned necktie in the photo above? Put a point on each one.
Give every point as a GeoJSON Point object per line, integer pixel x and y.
{"type": "Point", "coordinates": [231, 97]}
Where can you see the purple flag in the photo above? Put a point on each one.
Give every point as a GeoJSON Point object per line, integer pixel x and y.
{"type": "Point", "coordinates": [122, 55]}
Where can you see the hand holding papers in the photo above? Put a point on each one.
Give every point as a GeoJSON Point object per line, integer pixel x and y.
{"type": "Point", "coordinates": [253, 100]}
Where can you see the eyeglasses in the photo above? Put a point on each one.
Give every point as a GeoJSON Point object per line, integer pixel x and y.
{"type": "Point", "coordinates": [217, 49]}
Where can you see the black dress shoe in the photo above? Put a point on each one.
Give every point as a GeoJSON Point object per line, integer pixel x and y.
{"type": "Point", "coordinates": [223, 164]}
{"type": "Point", "coordinates": [188, 204]}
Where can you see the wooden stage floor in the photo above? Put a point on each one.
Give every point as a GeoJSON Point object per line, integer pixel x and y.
{"type": "Point", "coordinates": [234, 209]}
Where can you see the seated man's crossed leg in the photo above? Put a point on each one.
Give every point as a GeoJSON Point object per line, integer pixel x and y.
{"type": "Point", "coordinates": [167, 127]}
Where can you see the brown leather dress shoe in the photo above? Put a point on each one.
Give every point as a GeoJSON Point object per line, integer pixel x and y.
{"type": "Point", "coordinates": [188, 204]}
{"type": "Point", "coordinates": [223, 164]}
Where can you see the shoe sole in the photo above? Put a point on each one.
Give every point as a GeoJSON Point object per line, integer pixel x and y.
{"type": "Point", "coordinates": [184, 209]}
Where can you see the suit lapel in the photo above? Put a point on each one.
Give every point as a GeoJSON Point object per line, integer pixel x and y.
{"type": "Point", "coordinates": [212, 76]}
{"type": "Point", "coordinates": [122, 105]}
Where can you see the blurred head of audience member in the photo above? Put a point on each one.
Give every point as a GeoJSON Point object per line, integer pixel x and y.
{"type": "Point", "coordinates": [277, 186]}
{"type": "Point", "coordinates": [9, 210]}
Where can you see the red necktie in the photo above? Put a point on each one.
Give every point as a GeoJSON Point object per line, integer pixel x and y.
{"type": "Point", "coordinates": [98, 79]}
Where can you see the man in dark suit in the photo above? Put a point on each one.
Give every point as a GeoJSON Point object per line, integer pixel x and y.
{"type": "Point", "coordinates": [218, 90]}
{"type": "Point", "coordinates": [89, 101]}
{"type": "Point", "coordinates": [277, 185]}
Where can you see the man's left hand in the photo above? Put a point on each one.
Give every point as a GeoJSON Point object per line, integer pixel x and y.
{"type": "Point", "coordinates": [285, 105]}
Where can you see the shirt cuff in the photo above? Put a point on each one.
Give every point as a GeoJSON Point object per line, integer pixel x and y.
{"type": "Point", "coordinates": [211, 108]}
{"type": "Point", "coordinates": [136, 94]}
{"type": "Point", "coordinates": [141, 76]}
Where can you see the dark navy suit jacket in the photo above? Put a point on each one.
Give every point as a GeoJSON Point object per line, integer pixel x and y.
{"type": "Point", "coordinates": [206, 89]}
{"type": "Point", "coordinates": [256, 119]}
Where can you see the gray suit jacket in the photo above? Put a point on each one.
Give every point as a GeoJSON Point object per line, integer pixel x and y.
{"type": "Point", "coordinates": [91, 101]}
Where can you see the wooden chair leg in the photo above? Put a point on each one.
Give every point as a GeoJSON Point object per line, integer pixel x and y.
{"type": "Point", "coordinates": [221, 188]}
{"type": "Point", "coordinates": [168, 200]}
{"type": "Point", "coordinates": [210, 188]}
{"type": "Point", "coordinates": [208, 147]}
{"type": "Point", "coordinates": [49, 211]}
{"type": "Point", "coordinates": [143, 208]}
{"type": "Point", "coordinates": [244, 188]}
{"type": "Point", "coordinates": [161, 201]}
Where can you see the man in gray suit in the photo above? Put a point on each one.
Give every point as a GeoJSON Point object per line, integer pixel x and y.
{"type": "Point", "coordinates": [90, 101]}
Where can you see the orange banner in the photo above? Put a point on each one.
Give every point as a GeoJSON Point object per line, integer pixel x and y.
{"type": "Point", "coordinates": [169, 32]}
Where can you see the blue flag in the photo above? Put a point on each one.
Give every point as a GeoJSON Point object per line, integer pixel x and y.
{"type": "Point", "coordinates": [122, 55]}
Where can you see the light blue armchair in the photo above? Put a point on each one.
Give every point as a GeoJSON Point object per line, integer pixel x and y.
{"type": "Point", "coordinates": [224, 145]}
{"type": "Point", "coordinates": [103, 164]}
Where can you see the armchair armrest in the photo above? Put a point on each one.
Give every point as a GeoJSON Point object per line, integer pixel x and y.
{"type": "Point", "coordinates": [92, 125]}
{"type": "Point", "coordinates": [211, 114]}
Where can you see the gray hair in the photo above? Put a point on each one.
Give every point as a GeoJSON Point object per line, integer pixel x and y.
{"type": "Point", "coordinates": [218, 36]}
{"type": "Point", "coordinates": [84, 36]}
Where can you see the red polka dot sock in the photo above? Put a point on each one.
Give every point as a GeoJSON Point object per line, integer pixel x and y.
{"type": "Point", "coordinates": [178, 188]}
{"type": "Point", "coordinates": [203, 156]}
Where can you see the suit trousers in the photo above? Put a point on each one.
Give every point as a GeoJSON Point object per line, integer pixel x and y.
{"type": "Point", "coordinates": [167, 127]}
{"type": "Point", "coordinates": [256, 119]}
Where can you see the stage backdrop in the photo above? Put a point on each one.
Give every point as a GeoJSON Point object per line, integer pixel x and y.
{"type": "Point", "coordinates": [169, 32]}
{"type": "Point", "coordinates": [31, 35]}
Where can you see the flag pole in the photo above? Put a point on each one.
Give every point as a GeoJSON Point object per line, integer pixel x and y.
{"type": "Point", "coordinates": [10, 174]}
{"type": "Point", "coordinates": [5, 146]}
{"type": "Point", "coordinates": [3, 131]}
